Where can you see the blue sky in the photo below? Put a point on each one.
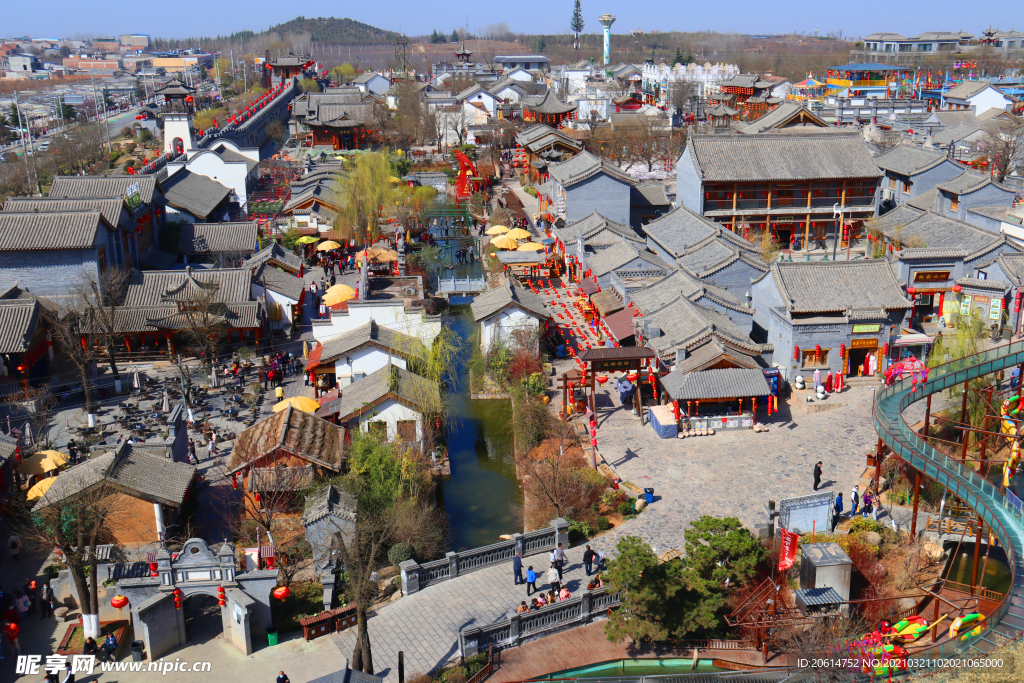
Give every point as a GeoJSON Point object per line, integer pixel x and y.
{"type": "Point", "coordinates": [180, 18]}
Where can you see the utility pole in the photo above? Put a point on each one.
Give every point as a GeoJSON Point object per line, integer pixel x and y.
{"type": "Point", "coordinates": [25, 146]}
{"type": "Point", "coordinates": [96, 107]}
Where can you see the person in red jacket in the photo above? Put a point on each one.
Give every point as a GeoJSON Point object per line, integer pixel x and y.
{"type": "Point", "coordinates": [11, 630]}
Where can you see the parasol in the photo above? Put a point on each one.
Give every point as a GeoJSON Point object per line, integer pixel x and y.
{"type": "Point", "coordinates": [496, 230]}
{"type": "Point", "coordinates": [328, 246]}
{"type": "Point", "coordinates": [40, 488]}
{"type": "Point", "coordinates": [338, 293]}
{"type": "Point", "coordinates": [518, 234]}
{"type": "Point", "coordinates": [504, 242]}
{"type": "Point", "coordinates": [42, 462]}
{"type": "Point", "coordinates": [303, 403]}
{"type": "Point", "coordinates": [531, 246]}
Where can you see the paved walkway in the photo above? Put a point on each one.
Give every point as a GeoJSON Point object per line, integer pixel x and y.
{"type": "Point", "coordinates": [426, 625]}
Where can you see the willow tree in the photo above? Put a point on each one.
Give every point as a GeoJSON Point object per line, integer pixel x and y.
{"type": "Point", "coordinates": [367, 194]}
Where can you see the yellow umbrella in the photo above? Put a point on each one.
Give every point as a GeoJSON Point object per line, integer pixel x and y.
{"type": "Point", "coordinates": [40, 488]}
{"type": "Point", "coordinates": [504, 242]}
{"type": "Point", "coordinates": [328, 245]}
{"type": "Point", "coordinates": [305, 350]}
{"type": "Point", "coordinates": [531, 246]}
{"type": "Point", "coordinates": [496, 230]}
{"type": "Point", "coordinates": [338, 293]}
{"type": "Point", "coordinates": [42, 462]}
{"type": "Point", "coordinates": [518, 234]}
{"type": "Point", "coordinates": [378, 254]}
{"type": "Point", "coordinates": [303, 403]}
{"type": "Point", "coordinates": [308, 239]}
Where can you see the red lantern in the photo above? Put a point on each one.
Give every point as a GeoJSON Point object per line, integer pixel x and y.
{"type": "Point", "coordinates": [177, 598]}
{"type": "Point", "coordinates": [234, 480]}
{"type": "Point", "coordinates": [956, 288]}
{"type": "Point", "coordinates": [885, 349]}
{"type": "Point", "coordinates": [220, 596]}
{"type": "Point", "coordinates": [257, 497]}
{"type": "Point", "coordinates": [796, 353]}
{"type": "Point", "coordinates": [119, 601]}
{"type": "Point", "coordinates": [153, 569]}
{"type": "Point", "coordinates": [842, 350]}
{"type": "Point", "coordinates": [911, 291]}
{"type": "Point", "coordinates": [817, 353]}
{"type": "Point", "coordinates": [282, 592]}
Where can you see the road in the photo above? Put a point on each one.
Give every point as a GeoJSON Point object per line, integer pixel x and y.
{"type": "Point", "coordinates": [115, 124]}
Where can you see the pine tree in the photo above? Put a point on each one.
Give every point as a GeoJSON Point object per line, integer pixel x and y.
{"type": "Point", "coordinates": [679, 56]}
{"type": "Point", "coordinates": [576, 25]}
{"type": "Point", "coordinates": [455, 36]}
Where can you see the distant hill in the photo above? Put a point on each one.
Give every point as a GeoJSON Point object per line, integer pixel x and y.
{"type": "Point", "coordinates": [334, 30]}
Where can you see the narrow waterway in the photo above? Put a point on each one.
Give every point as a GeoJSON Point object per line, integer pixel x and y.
{"type": "Point", "coordinates": [482, 495]}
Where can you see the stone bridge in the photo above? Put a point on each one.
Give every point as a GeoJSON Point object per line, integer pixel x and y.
{"type": "Point", "coordinates": [196, 571]}
{"type": "Point", "coordinates": [253, 131]}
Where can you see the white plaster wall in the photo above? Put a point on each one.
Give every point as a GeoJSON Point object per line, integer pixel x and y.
{"type": "Point", "coordinates": [229, 174]}
{"type": "Point", "coordinates": [502, 325]}
{"type": "Point", "coordinates": [390, 315]}
{"type": "Point", "coordinates": [391, 412]}
{"type": "Point", "coordinates": [287, 305]}
{"type": "Point", "coordinates": [364, 361]}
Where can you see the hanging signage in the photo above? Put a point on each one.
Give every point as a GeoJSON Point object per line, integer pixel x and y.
{"type": "Point", "coordinates": [787, 551]}
{"type": "Point", "coordinates": [865, 329]}
{"type": "Point", "coordinates": [863, 343]}
{"type": "Point", "coordinates": [931, 276]}
{"type": "Point", "coordinates": [981, 300]}
{"type": "Point", "coordinates": [965, 305]}
{"type": "Point", "coordinates": [995, 309]}
{"type": "Point", "coordinates": [133, 198]}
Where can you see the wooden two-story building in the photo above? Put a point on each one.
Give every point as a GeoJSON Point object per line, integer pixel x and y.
{"type": "Point", "coordinates": [791, 184]}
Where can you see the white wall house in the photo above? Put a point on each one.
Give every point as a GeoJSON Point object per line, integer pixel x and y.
{"type": "Point", "coordinates": [504, 309]}
{"type": "Point", "coordinates": [980, 95]}
{"type": "Point", "coordinates": [365, 350]}
{"type": "Point", "coordinates": [390, 314]}
{"type": "Point", "coordinates": [393, 413]}
{"type": "Point", "coordinates": [390, 399]}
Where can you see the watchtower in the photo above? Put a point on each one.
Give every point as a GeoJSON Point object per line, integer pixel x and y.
{"type": "Point", "coordinates": [179, 105]}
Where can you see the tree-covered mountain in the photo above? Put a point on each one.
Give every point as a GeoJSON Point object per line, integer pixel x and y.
{"type": "Point", "coordinates": [330, 30]}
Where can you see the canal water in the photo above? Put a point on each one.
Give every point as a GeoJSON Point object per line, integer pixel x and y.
{"type": "Point", "coordinates": [482, 495]}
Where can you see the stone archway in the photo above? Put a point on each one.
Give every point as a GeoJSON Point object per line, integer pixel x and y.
{"type": "Point", "coordinates": [204, 619]}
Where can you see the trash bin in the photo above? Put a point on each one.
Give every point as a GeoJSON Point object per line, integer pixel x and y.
{"type": "Point", "coordinates": [272, 635]}
{"type": "Point", "coordinates": [649, 496]}
{"type": "Point", "coordinates": [137, 650]}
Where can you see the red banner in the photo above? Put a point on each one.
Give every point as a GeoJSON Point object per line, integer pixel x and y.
{"type": "Point", "coordinates": [787, 551]}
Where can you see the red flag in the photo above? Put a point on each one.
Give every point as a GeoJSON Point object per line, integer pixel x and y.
{"type": "Point", "coordinates": [787, 552]}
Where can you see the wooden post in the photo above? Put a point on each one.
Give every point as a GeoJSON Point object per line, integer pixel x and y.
{"type": "Point", "coordinates": [977, 556]}
{"type": "Point", "coordinates": [935, 618]}
{"type": "Point", "coordinates": [927, 415]}
{"type": "Point", "coordinates": [917, 494]}
{"type": "Point", "coordinates": [401, 667]}
{"type": "Point", "coordinates": [983, 466]}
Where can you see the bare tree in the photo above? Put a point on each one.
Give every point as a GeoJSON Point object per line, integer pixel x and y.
{"type": "Point", "coordinates": [455, 122]}
{"type": "Point", "coordinates": [74, 335]}
{"type": "Point", "coordinates": [591, 125]}
{"type": "Point", "coordinates": [75, 526]}
{"type": "Point", "coordinates": [682, 95]}
{"type": "Point", "coordinates": [38, 405]}
{"type": "Point", "coordinates": [1004, 140]}
{"type": "Point", "coordinates": [99, 300]}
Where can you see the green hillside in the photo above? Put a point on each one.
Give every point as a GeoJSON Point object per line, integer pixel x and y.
{"type": "Point", "coordinates": [334, 30]}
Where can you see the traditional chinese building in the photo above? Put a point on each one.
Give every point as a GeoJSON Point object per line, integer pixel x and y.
{"type": "Point", "coordinates": [547, 109]}
{"type": "Point", "coordinates": [747, 93]}
{"type": "Point", "coordinates": [284, 69]}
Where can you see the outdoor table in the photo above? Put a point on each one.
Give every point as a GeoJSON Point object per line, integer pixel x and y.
{"type": "Point", "coordinates": [138, 427]}
{"type": "Point", "coordinates": [231, 411]}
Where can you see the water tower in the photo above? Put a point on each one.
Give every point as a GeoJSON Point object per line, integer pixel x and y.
{"type": "Point", "coordinates": [607, 20]}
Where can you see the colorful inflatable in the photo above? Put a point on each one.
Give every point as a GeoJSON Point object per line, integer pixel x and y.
{"type": "Point", "coordinates": [908, 366]}
{"type": "Point", "coordinates": [882, 660]}
{"type": "Point", "coordinates": [909, 629]}
{"type": "Point", "coordinates": [1010, 413]}
{"type": "Point", "coordinates": [973, 623]}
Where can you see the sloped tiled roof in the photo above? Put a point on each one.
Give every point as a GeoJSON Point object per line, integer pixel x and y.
{"type": "Point", "coordinates": [218, 238]}
{"type": "Point", "coordinates": [277, 280]}
{"type": "Point", "coordinates": [50, 231]}
{"type": "Point", "coordinates": [232, 156]}
{"type": "Point", "coordinates": [592, 225]}
{"type": "Point", "coordinates": [681, 230]}
{"type": "Point", "coordinates": [331, 500]}
{"type": "Point", "coordinates": [965, 183]}
{"type": "Point", "coordinates": [136, 471]}
{"type": "Point", "coordinates": [8, 447]}
{"type": "Point", "coordinates": [711, 352]}
{"type": "Point", "coordinates": [400, 344]}
{"type": "Point", "coordinates": [951, 136]}
{"type": "Point", "coordinates": [18, 321]}
{"type": "Point", "coordinates": [649, 194]}
{"type": "Point", "coordinates": [77, 187]}
{"type": "Point", "coordinates": [935, 231]}
{"type": "Point", "coordinates": [548, 104]}
{"type": "Point", "coordinates": [194, 193]}
{"type": "Point", "coordinates": [715, 384]}
{"type": "Point", "coordinates": [390, 379]}
{"type": "Point", "coordinates": [276, 255]}
{"type": "Point", "coordinates": [294, 431]}
{"type": "Point", "coordinates": [1012, 266]}
{"type": "Point", "coordinates": [778, 156]}
{"type": "Point", "coordinates": [967, 89]}
{"type": "Point", "coordinates": [909, 160]}
{"type": "Point", "coordinates": [838, 286]}
{"type": "Point", "coordinates": [110, 207]}
{"type": "Point", "coordinates": [155, 287]}
{"type": "Point", "coordinates": [689, 325]}
{"type": "Point", "coordinates": [617, 255]}
{"type": "Point", "coordinates": [781, 115]}
{"type": "Point", "coordinates": [508, 293]}
{"type": "Point", "coordinates": [583, 166]}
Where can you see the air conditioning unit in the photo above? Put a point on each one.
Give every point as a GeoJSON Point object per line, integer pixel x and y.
{"type": "Point", "coordinates": [410, 291]}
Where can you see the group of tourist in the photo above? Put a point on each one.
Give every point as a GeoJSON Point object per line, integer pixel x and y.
{"type": "Point", "coordinates": [556, 591]}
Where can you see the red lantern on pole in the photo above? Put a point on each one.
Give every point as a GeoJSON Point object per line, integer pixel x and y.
{"type": "Point", "coordinates": [796, 353]}
{"type": "Point", "coordinates": [220, 596]}
{"type": "Point", "coordinates": [177, 598]}
{"type": "Point", "coordinates": [885, 349]}
{"type": "Point", "coordinates": [281, 592]}
{"type": "Point", "coordinates": [119, 601]}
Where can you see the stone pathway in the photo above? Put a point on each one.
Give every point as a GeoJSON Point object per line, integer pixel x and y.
{"type": "Point", "coordinates": [426, 625]}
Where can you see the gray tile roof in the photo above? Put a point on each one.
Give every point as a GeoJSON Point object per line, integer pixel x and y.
{"type": "Point", "coordinates": [591, 229]}
{"type": "Point", "coordinates": [350, 115]}
{"type": "Point", "coordinates": [323, 192]}
{"type": "Point", "coordinates": [218, 238]}
{"type": "Point", "coordinates": [711, 352]}
{"type": "Point", "coordinates": [898, 217]}
{"type": "Point", "coordinates": [330, 500]}
{"type": "Point", "coordinates": [975, 283]}
{"type": "Point", "coordinates": [77, 187]}
{"type": "Point", "coordinates": [965, 183]}
{"type": "Point", "coordinates": [583, 166]}
{"type": "Point", "coordinates": [618, 255]}
{"type": "Point", "coordinates": [194, 193]}
{"type": "Point", "coordinates": [682, 230]}
{"type": "Point", "coordinates": [548, 104]}
{"type": "Point", "coordinates": [508, 293]}
{"type": "Point", "coordinates": [155, 287]}
{"type": "Point", "coordinates": [277, 255]}
{"type": "Point", "coordinates": [295, 432]}
{"type": "Point", "coordinates": [821, 287]}
{"type": "Point", "coordinates": [967, 89]}
{"type": "Point", "coordinates": [688, 325]}
{"type": "Point", "coordinates": [277, 280]}
{"type": "Point", "coordinates": [50, 231]}
{"type": "Point", "coordinates": [778, 156]}
{"type": "Point", "coordinates": [135, 471]}
{"type": "Point", "coordinates": [649, 194]}
{"type": "Point", "coordinates": [909, 160]}
{"type": "Point", "coordinates": [110, 207]}
{"type": "Point", "coordinates": [401, 344]}
{"type": "Point", "coordinates": [720, 383]}
{"type": "Point", "coordinates": [781, 115]}
{"type": "Point", "coordinates": [934, 231]}
{"type": "Point", "coordinates": [238, 316]}
{"type": "Point", "coordinates": [19, 319]}
{"type": "Point", "coordinates": [390, 379]}
{"type": "Point", "coordinates": [1012, 266]}
{"type": "Point", "coordinates": [174, 86]}
{"type": "Point", "coordinates": [232, 156]}
{"type": "Point", "coordinates": [8, 447]}
{"type": "Point", "coordinates": [950, 136]}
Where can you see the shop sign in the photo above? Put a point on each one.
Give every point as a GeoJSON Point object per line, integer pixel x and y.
{"type": "Point", "coordinates": [965, 304]}
{"type": "Point", "coordinates": [863, 343]}
{"type": "Point", "coordinates": [931, 276]}
{"type": "Point", "coordinates": [995, 309]}
{"type": "Point", "coordinates": [981, 300]}
{"type": "Point", "coordinates": [865, 329]}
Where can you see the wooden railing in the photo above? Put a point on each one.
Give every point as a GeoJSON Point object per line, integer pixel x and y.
{"type": "Point", "coordinates": [488, 667]}
{"type": "Point", "coordinates": [979, 591]}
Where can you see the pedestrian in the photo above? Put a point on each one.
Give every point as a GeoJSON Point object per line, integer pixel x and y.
{"type": "Point", "coordinates": [559, 560]}
{"type": "Point", "coordinates": [21, 604]}
{"type": "Point", "coordinates": [817, 475]}
{"type": "Point", "coordinates": [72, 451]}
{"type": "Point", "coordinates": [279, 394]}
{"type": "Point", "coordinates": [109, 646]}
{"type": "Point", "coordinates": [46, 600]}
{"type": "Point", "coordinates": [517, 570]}
{"type": "Point", "coordinates": [588, 559]}
{"type": "Point", "coordinates": [11, 630]}
{"type": "Point", "coordinates": [192, 450]}
{"type": "Point", "coordinates": [868, 507]}
{"type": "Point", "coordinates": [213, 444]}
{"type": "Point", "coordinates": [854, 501]}
{"type": "Point", "coordinates": [69, 676]}
{"type": "Point", "coordinates": [522, 608]}
{"type": "Point", "coordinates": [553, 578]}
{"type": "Point", "coordinates": [30, 592]}
{"type": "Point", "coordinates": [283, 678]}
{"type": "Point", "coordinates": [90, 647]}
{"type": "Point", "coordinates": [837, 512]}
{"type": "Point", "coordinates": [333, 280]}
{"type": "Point", "coordinates": [14, 546]}
{"type": "Point", "coordinates": [531, 581]}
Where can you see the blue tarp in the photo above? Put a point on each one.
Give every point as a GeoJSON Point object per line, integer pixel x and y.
{"type": "Point", "coordinates": [667, 431]}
